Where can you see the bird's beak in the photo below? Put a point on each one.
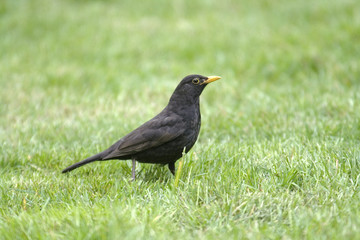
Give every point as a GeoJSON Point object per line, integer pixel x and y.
{"type": "Point", "coordinates": [211, 79]}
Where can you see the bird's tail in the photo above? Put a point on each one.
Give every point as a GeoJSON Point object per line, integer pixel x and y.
{"type": "Point", "coordinates": [83, 162]}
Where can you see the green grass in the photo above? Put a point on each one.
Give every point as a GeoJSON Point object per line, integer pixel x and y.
{"type": "Point", "coordinates": [279, 151]}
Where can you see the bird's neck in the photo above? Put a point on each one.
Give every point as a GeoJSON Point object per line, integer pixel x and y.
{"type": "Point", "coordinates": [183, 101]}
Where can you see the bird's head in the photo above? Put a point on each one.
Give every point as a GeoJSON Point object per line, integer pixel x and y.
{"type": "Point", "coordinates": [190, 88]}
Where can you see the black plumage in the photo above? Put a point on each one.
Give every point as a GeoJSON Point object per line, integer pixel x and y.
{"type": "Point", "coordinates": [162, 139]}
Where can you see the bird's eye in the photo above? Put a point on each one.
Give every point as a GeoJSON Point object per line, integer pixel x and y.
{"type": "Point", "coordinates": [195, 81]}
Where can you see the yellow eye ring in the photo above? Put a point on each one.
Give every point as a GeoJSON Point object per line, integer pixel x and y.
{"type": "Point", "coordinates": [195, 81]}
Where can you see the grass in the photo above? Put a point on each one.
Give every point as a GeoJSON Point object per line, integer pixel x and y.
{"type": "Point", "coordinates": [278, 156]}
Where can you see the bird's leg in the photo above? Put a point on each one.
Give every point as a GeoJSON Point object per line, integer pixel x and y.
{"type": "Point", "coordinates": [133, 168]}
{"type": "Point", "coordinates": [172, 168]}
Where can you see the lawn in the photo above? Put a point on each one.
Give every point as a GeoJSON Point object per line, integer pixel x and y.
{"type": "Point", "coordinates": [278, 155]}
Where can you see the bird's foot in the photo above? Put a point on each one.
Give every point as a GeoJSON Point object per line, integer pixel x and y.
{"type": "Point", "coordinates": [133, 169]}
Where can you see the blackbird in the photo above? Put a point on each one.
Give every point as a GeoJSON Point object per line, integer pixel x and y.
{"type": "Point", "coordinates": [164, 138]}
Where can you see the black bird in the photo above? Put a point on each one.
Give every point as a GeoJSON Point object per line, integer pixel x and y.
{"type": "Point", "coordinates": [162, 139]}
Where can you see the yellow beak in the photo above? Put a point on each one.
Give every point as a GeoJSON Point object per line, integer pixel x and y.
{"type": "Point", "coordinates": [211, 79]}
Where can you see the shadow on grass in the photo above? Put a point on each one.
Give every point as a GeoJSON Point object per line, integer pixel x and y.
{"type": "Point", "coordinates": [154, 173]}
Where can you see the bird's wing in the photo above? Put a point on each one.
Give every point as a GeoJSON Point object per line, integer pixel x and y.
{"type": "Point", "coordinates": [153, 133]}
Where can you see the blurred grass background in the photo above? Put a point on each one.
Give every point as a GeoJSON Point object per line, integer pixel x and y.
{"type": "Point", "coordinates": [278, 155]}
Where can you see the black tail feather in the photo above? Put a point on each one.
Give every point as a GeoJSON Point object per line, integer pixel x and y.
{"type": "Point", "coordinates": [83, 162]}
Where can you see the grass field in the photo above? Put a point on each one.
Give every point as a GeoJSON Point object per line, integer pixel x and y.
{"type": "Point", "coordinates": [278, 155]}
